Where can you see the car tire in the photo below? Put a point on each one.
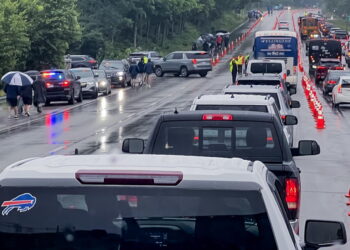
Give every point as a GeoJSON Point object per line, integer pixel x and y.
{"type": "Point", "coordinates": [71, 100]}
{"type": "Point", "coordinates": [183, 71]}
{"type": "Point", "coordinates": [203, 74]}
{"type": "Point", "coordinates": [80, 97]}
{"type": "Point", "coordinates": [159, 72]}
{"type": "Point", "coordinates": [95, 95]}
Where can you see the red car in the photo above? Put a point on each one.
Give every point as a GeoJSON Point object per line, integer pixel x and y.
{"type": "Point", "coordinates": [325, 64]}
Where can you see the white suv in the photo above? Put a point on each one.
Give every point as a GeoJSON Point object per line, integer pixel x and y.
{"type": "Point", "coordinates": [272, 67]}
{"type": "Point", "coordinates": [273, 91]}
{"type": "Point", "coordinates": [149, 202]}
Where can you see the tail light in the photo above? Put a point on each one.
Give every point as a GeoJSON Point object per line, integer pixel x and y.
{"type": "Point", "coordinates": [321, 67]}
{"type": "Point", "coordinates": [120, 177]}
{"type": "Point", "coordinates": [91, 61]}
{"type": "Point", "coordinates": [292, 193]}
{"type": "Point", "coordinates": [217, 117]}
{"type": "Point", "coordinates": [65, 84]}
{"type": "Point", "coordinates": [284, 76]}
{"type": "Point", "coordinates": [332, 82]}
{"type": "Point", "coordinates": [48, 84]}
{"type": "Point", "coordinates": [283, 117]}
{"type": "Point", "coordinates": [194, 61]}
{"type": "Point", "coordinates": [339, 89]}
{"type": "Point", "coordinates": [338, 68]}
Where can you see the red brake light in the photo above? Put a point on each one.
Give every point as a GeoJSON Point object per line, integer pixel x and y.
{"type": "Point", "coordinates": [120, 177]}
{"type": "Point", "coordinates": [92, 61]}
{"type": "Point", "coordinates": [48, 85]}
{"type": "Point", "coordinates": [217, 117]}
{"type": "Point", "coordinates": [321, 67]}
{"type": "Point", "coordinates": [65, 84]}
{"type": "Point", "coordinates": [339, 89]}
{"type": "Point", "coordinates": [284, 76]}
{"type": "Point", "coordinates": [338, 68]}
{"type": "Point", "coordinates": [332, 82]}
{"type": "Point", "coordinates": [194, 61]}
{"type": "Point", "coordinates": [292, 193]}
{"type": "Point", "coordinates": [283, 117]}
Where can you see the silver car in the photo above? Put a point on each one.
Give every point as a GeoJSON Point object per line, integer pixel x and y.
{"type": "Point", "coordinates": [185, 63]}
{"type": "Point", "coordinates": [104, 85]}
{"type": "Point", "coordinates": [88, 82]}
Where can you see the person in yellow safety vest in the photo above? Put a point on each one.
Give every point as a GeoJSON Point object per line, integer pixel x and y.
{"type": "Point", "coordinates": [233, 69]}
{"type": "Point", "coordinates": [145, 59]}
{"type": "Point", "coordinates": [240, 62]}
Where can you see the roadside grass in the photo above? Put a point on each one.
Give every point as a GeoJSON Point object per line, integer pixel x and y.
{"type": "Point", "coordinates": [2, 93]}
{"type": "Point", "coordinates": [229, 21]}
{"type": "Point", "coordinates": [341, 23]}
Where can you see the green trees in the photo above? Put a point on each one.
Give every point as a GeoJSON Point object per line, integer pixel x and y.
{"type": "Point", "coordinates": [14, 40]}
{"type": "Point", "coordinates": [36, 34]}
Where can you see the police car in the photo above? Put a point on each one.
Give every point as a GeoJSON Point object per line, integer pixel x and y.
{"type": "Point", "coordinates": [148, 202]}
{"type": "Point", "coordinates": [244, 102]}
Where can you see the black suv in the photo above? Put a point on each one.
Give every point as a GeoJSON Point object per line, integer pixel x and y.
{"type": "Point", "coordinates": [248, 135]}
{"type": "Point", "coordinates": [83, 61]}
{"type": "Point", "coordinates": [61, 86]}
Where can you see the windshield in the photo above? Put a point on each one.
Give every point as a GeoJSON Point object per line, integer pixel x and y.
{"type": "Point", "coordinates": [136, 218]}
{"type": "Point", "coordinates": [83, 73]}
{"type": "Point", "coordinates": [273, 95]}
{"type": "Point", "coordinates": [200, 55]}
{"type": "Point", "coordinates": [266, 68]}
{"type": "Point", "coordinates": [258, 108]}
{"type": "Point", "coordinates": [112, 65]}
{"type": "Point", "coordinates": [259, 82]}
{"type": "Point", "coordinates": [247, 140]}
{"type": "Point", "coordinates": [341, 36]}
{"type": "Point", "coordinates": [335, 75]}
{"type": "Point", "coordinates": [309, 22]}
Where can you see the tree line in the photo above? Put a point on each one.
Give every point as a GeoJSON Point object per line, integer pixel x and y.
{"type": "Point", "coordinates": [36, 34]}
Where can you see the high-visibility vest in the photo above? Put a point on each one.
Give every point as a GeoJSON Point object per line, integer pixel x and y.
{"type": "Point", "coordinates": [240, 60]}
{"type": "Point", "coordinates": [247, 58]}
{"type": "Point", "coordinates": [233, 61]}
{"type": "Point", "coordinates": [145, 60]}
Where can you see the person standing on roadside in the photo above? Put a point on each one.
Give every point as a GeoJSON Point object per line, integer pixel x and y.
{"type": "Point", "coordinates": [141, 66]}
{"type": "Point", "coordinates": [134, 71]}
{"type": "Point", "coordinates": [12, 96]}
{"type": "Point", "coordinates": [233, 69]}
{"type": "Point", "coordinates": [39, 94]}
{"type": "Point", "coordinates": [149, 69]}
{"type": "Point", "coordinates": [26, 93]}
{"type": "Point", "coordinates": [240, 61]}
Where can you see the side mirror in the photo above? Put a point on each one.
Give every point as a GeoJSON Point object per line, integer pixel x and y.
{"type": "Point", "coordinates": [306, 147]}
{"type": "Point", "coordinates": [288, 72]}
{"type": "Point", "coordinates": [295, 104]}
{"type": "Point", "coordinates": [78, 78]}
{"type": "Point", "coordinates": [324, 234]}
{"type": "Point", "coordinates": [292, 90]}
{"type": "Point", "coordinates": [164, 59]}
{"type": "Point", "coordinates": [290, 120]}
{"type": "Point", "coordinates": [133, 146]}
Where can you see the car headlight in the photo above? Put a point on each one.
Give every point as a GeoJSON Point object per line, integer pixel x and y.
{"type": "Point", "coordinates": [103, 83]}
{"type": "Point", "coordinates": [314, 66]}
{"type": "Point", "coordinates": [120, 73]}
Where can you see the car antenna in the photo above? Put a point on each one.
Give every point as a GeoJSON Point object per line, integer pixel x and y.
{"type": "Point", "coordinates": [76, 151]}
{"type": "Point", "coordinates": [175, 111]}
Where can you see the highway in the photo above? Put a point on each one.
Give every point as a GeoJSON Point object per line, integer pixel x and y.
{"type": "Point", "coordinates": [99, 126]}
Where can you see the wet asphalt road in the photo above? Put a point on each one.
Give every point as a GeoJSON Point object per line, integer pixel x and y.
{"type": "Point", "coordinates": [99, 126]}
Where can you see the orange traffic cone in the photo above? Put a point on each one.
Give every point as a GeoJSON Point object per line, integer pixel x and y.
{"type": "Point", "coordinates": [217, 59]}
{"type": "Point", "coordinates": [320, 123]}
{"type": "Point", "coordinates": [213, 63]}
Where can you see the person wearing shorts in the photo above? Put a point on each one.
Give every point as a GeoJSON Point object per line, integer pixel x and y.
{"type": "Point", "coordinates": [133, 70]}
{"type": "Point", "coordinates": [27, 97]}
{"type": "Point", "coordinates": [149, 69]}
{"type": "Point", "coordinates": [12, 94]}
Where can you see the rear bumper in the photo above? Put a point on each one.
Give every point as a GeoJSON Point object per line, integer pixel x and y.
{"type": "Point", "coordinates": [59, 95]}
{"type": "Point", "coordinates": [341, 98]}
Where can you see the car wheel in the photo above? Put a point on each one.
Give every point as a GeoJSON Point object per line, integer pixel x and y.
{"type": "Point", "coordinates": [95, 94]}
{"type": "Point", "coordinates": [183, 72]}
{"type": "Point", "coordinates": [203, 74]}
{"type": "Point", "coordinates": [71, 100]}
{"type": "Point", "coordinates": [159, 72]}
{"type": "Point", "coordinates": [80, 97]}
